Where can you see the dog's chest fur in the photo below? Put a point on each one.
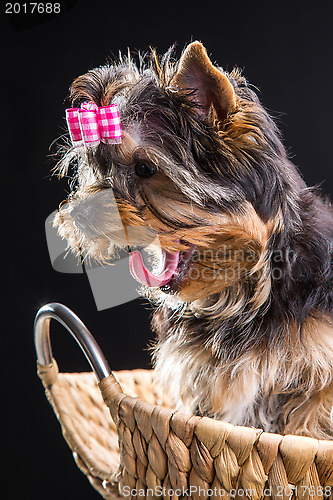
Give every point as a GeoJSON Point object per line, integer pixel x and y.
{"type": "Point", "coordinates": [272, 388]}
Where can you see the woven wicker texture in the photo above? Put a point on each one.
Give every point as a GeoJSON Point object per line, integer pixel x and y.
{"type": "Point", "coordinates": [159, 448]}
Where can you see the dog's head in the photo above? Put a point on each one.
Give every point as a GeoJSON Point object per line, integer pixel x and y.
{"type": "Point", "coordinates": [200, 173]}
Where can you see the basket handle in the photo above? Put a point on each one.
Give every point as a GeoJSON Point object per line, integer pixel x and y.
{"type": "Point", "coordinates": [76, 328]}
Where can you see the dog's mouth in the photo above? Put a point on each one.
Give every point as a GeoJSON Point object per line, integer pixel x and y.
{"type": "Point", "coordinates": [172, 274]}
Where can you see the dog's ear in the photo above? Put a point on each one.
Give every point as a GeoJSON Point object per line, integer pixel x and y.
{"type": "Point", "coordinates": [211, 87]}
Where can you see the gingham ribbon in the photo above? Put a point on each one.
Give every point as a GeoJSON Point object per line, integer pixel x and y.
{"type": "Point", "coordinates": [89, 125]}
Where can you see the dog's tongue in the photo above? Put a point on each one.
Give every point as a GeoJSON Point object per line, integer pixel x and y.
{"type": "Point", "coordinates": [145, 277]}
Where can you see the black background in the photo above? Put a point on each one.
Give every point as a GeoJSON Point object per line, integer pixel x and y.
{"type": "Point", "coordinates": [285, 49]}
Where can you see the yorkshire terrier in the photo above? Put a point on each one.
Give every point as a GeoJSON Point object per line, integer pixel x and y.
{"type": "Point", "coordinates": [242, 284]}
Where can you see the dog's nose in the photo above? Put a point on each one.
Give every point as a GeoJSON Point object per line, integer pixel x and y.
{"type": "Point", "coordinates": [81, 221]}
{"type": "Point", "coordinates": [82, 217]}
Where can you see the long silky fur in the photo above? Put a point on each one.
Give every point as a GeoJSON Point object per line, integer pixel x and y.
{"type": "Point", "coordinates": [257, 350]}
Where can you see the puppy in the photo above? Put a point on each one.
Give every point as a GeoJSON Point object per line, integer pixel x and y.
{"type": "Point", "coordinates": [242, 275]}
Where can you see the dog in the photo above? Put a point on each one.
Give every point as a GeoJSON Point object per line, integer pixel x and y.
{"type": "Point", "coordinates": [242, 277]}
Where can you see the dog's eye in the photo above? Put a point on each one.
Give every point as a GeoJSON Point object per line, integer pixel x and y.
{"type": "Point", "coordinates": [144, 169]}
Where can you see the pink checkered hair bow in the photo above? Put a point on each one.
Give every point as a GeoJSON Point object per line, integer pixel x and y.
{"type": "Point", "coordinates": [89, 125]}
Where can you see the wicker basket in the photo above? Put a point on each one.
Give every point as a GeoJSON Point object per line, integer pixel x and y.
{"type": "Point", "coordinates": [155, 451]}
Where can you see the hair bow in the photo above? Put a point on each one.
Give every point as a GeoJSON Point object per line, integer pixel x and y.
{"type": "Point", "coordinates": [89, 125]}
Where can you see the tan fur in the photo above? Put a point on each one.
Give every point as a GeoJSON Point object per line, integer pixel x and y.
{"type": "Point", "coordinates": [235, 249]}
